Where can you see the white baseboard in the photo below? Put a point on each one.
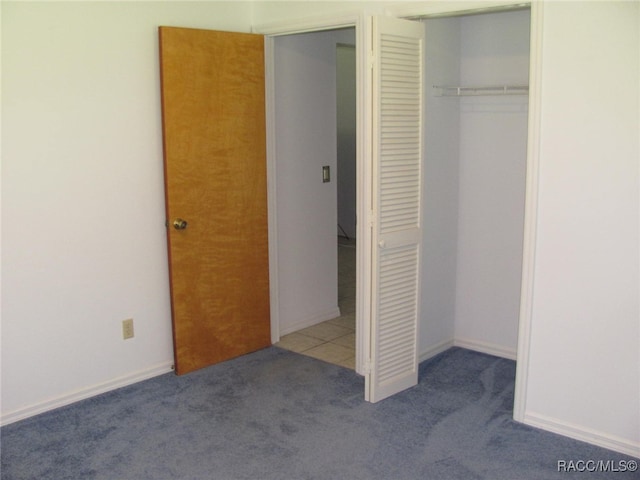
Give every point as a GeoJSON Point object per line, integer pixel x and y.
{"type": "Point", "coordinates": [483, 347]}
{"type": "Point", "coordinates": [85, 393]}
{"type": "Point", "coordinates": [488, 348]}
{"type": "Point", "coordinates": [309, 321]}
{"type": "Point", "coordinates": [578, 432]}
{"type": "Point", "coordinates": [434, 350]}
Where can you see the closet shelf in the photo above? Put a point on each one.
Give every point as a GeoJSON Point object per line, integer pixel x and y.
{"type": "Point", "coordinates": [457, 91]}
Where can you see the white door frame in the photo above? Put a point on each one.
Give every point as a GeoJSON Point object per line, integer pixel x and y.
{"type": "Point", "coordinates": [363, 169]}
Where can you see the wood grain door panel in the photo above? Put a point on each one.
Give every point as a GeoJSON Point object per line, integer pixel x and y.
{"type": "Point", "coordinates": [215, 179]}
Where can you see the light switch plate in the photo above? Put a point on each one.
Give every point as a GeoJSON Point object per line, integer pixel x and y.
{"type": "Point", "coordinates": [326, 174]}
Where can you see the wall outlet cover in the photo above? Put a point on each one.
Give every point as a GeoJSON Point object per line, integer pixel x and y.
{"type": "Point", "coordinates": [127, 328]}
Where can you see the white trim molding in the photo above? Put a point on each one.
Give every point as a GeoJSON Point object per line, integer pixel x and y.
{"type": "Point", "coordinates": [272, 210]}
{"type": "Point", "coordinates": [364, 195]}
{"type": "Point", "coordinates": [309, 24]}
{"type": "Point", "coordinates": [469, 344]}
{"type": "Point", "coordinates": [581, 433]}
{"type": "Point", "coordinates": [530, 213]}
{"type": "Point", "coordinates": [85, 393]}
{"type": "Point", "coordinates": [447, 9]}
{"type": "Point", "coordinates": [484, 347]}
{"type": "Point", "coordinates": [434, 350]}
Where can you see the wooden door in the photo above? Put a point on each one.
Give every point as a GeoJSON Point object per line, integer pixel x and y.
{"type": "Point", "coordinates": [216, 193]}
{"type": "Point", "coordinates": [397, 178]}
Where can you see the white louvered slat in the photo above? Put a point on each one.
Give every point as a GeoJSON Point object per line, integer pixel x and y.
{"type": "Point", "coordinates": [397, 158]}
{"type": "Point", "coordinates": [400, 79]}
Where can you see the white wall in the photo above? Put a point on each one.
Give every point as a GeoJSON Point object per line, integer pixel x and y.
{"type": "Point", "coordinates": [305, 115]}
{"type": "Point", "coordinates": [83, 200]}
{"type": "Point", "coordinates": [493, 154]}
{"type": "Point", "coordinates": [266, 12]}
{"type": "Point", "coordinates": [440, 186]}
{"type": "Point", "coordinates": [346, 147]}
{"type": "Point", "coordinates": [584, 370]}
{"type": "Point", "coordinates": [66, 288]}
{"type": "Point", "coordinates": [475, 155]}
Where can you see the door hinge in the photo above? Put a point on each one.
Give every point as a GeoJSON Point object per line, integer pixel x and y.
{"type": "Point", "coordinates": [366, 367]}
{"type": "Point", "coordinates": [372, 218]}
{"type": "Point", "coordinates": [372, 59]}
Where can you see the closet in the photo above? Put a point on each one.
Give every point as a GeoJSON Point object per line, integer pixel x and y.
{"type": "Point", "coordinates": [475, 142]}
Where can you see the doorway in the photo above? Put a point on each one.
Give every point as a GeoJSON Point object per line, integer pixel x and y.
{"type": "Point", "coordinates": [475, 159]}
{"type": "Point", "coordinates": [476, 110]}
{"type": "Point", "coordinates": [315, 151]}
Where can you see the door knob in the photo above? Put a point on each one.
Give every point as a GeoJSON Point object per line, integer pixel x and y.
{"type": "Point", "coordinates": [179, 224]}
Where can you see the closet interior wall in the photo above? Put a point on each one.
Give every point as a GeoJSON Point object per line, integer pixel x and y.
{"type": "Point", "coordinates": [475, 163]}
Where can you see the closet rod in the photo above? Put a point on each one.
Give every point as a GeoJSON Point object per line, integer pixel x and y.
{"type": "Point", "coordinates": [458, 91]}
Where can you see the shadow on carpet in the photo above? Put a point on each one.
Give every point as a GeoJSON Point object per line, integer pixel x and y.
{"type": "Point", "coordinates": [275, 414]}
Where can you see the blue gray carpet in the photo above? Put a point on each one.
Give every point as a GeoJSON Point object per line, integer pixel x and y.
{"type": "Point", "coordinates": [274, 414]}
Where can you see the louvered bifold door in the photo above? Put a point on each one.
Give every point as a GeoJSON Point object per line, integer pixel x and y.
{"type": "Point", "coordinates": [397, 99]}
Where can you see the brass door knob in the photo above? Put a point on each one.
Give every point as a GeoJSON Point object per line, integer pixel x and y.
{"type": "Point", "coordinates": [179, 224]}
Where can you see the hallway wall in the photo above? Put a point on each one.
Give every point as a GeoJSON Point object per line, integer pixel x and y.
{"type": "Point", "coordinates": [306, 140]}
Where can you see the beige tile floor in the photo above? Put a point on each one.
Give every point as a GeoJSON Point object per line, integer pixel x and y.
{"type": "Point", "coordinates": [333, 341]}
